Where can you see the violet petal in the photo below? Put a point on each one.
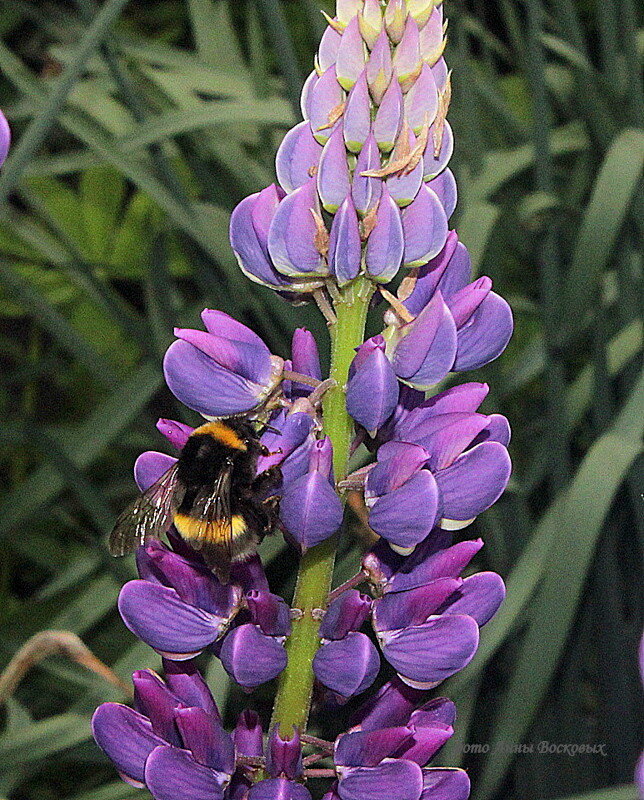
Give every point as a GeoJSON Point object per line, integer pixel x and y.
{"type": "Point", "coordinates": [250, 248]}
{"type": "Point", "coordinates": [176, 433]}
{"type": "Point", "coordinates": [150, 466]}
{"type": "Point", "coordinates": [405, 516]}
{"type": "Point", "coordinates": [485, 335]}
{"type": "Point", "coordinates": [388, 118]}
{"type": "Point", "coordinates": [425, 227]}
{"type": "Point", "coordinates": [201, 384]}
{"type": "Point", "coordinates": [479, 597]}
{"type": "Point", "coordinates": [345, 250]}
{"type": "Point", "coordinates": [250, 657]}
{"type": "Point", "coordinates": [429, 653]}
{"type": "Point", "coordinates": [173, 774]}
{"type": "Point", "coordinates": [208, 742]}
{"type": "Point", "coordinates": [426, 351]}
{"type": "Point", "coordinates": [278, 789]}
{"type": "Point", "coordinates": [158, 616]}
{"type": "Point", "coordinates": [366, 191]}
{"type": "Point", "coordinates": [292, 235]}
{"type": "Point", "coordinates": [351, 57]}
{"type": "Point", "coordinates": [126, 737]}
{"type": "Point", "coordinates": [357, 116]}
{"type": "Point", "coordinates": [333, 172]}
{"type": "Point", "coordinates": [310, 509]}
{"type": "Point", "coordinates": [442, 783]}
{"type": "Point", "coordinates": [372, 392]}
{"type": "Point", "coordinates": [347, 666]}
{"type": "Point", "coordinates": [344, 614]}
{"type": "Point", "coordinates": [296, 157]}
{"type": "Point", "coordinates": [401, 609]}
{"type": "Point", "coordinates": [248, 736]}
{"type": "Point", "coordinates": [392, 778]}
{"type": "Point", "coordinates": [474, 481]}
{"type": "Point", "coordinates": [447, 562]}
{"type": "Point", "coordinates": [386, 243]}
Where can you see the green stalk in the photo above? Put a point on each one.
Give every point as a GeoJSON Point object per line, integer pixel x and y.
{"type": "Point", "coordinates": [316, 567]}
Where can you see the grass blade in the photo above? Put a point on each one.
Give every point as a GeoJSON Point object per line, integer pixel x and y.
{"type": "Point", "coordinates": [89, 442]}
{"type": "Point", "coordinates": [34, 136]}
{"type": "Point", "coordinates": [616, 185]}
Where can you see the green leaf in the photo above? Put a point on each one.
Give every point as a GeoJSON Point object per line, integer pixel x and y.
{"type": "Point", "coordinates": [570, 530]}
{"type": "Point", "coordinates": [102, 191]}
{"type": "Point", "coordinates": [616, 184]}
{"type": "Point", "coordinates": [505, 165]}
{"type": "Point", "coordinates": [88, 443]}
{"type": "Point", "coordinates": [35, 134]}
{"type": "Point", "coordinates": [63, 205]}
{"type": "Point", "coordinates": [111, 791]}
{"type": "Point", "coordinates": [54, 322]}
{"type": "Point", "coordinates": [43, 739]}
{"type": "Point", "coordinates": [214, 34]}
{"type": "Point", "coordinates": [475, 228]}
{"type": "Point", "coordinates": [173, 123]}
{"type": "Point", "coordinates": [625, 792]}
{"type": "Point", "coordinates": [133, 239]}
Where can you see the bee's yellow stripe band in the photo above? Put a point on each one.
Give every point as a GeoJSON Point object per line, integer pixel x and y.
{"type": "Point", "coordinates": [215, 532]}
{"type": "Point", "coordinates": [222, 433]}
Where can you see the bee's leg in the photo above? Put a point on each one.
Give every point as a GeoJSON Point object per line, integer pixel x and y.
{"type": "Point", "coordinates": [272, 505]}
{"type": "Point", "coordinates": [263, 515]}
{"type": "Point", "coordinates": [267, 480]}
{"type": "Point", "coordinates": [262, 450]}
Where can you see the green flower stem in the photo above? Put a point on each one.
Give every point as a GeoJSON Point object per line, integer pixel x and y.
{"type": "Point", "coordinates": [316, 567]}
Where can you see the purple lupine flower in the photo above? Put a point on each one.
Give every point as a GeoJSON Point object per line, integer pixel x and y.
{"type": "Point", "coordinates": [380, 762]}
{"type": "Point", "coordinates": [402, 497]}
{"type": "Point", "coordinates": [427, 617]}
{"type": "Point", "coordinates": [172, 739]}
{"type": "Point", "coordinates": [284, 755]}
{"type": "Point", "coordinates": [176, 433]}
{"type": "Point", "coordinates": [395, 725]}
{"type": "Point", "coordinates": [226, 369]}
{"type": "Point", "coordinates": [467, 450]}
{"type": "Point", "coordinates": [180, 608]}
{"type": "Point", "coordinates": [177, 606]}
{"type": "Point", "coordinates": [289, 440]}
{"type": "Point", "coordinates": [310, 508]}
{"type": "Point", "coordinates": [372, 152]}
{"type": "Point", "coordinates": [446, 323]}
{"type": "Point", "coordinates": [5, 138]}
{"type": "Point", "coordinates": [364, 190]}
{"type": "Point", "coordinates": [466, 397]}
{"type": "Point", "coordinates": [372, 390]}
{"type": "Point", "coordinates": [639, 769]}
{"type": "Point", "coordinates": [443, 477]}
{"type": "Point", "coordinates": [253, 652]}
{"type": "Point", "coordinates": [304, 360]}
{"type": "Point", "coordinates": [249, 228]}
{"type": "Point", "coordinates": [347, 662]}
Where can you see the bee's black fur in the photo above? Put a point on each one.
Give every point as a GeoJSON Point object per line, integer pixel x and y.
{"type": "Point", "coordinates": [214, 475]}
{"type": "Point", "coordinates": [204, 456]}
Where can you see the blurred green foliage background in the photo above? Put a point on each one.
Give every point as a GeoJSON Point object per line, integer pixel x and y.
{"type": "Point", "coordinates": [137, 128]}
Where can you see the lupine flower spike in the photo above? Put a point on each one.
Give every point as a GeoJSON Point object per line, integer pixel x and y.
{"type": "Point", "coordinates": [364, 195]}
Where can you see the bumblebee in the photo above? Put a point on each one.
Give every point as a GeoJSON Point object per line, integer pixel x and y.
{"type": "Point", "coordinates": [211, 494]}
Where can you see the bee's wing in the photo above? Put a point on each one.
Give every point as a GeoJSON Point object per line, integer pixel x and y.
{"type": "Point", "coordinates": [211, 525]}
{"type": "Point", "coordinates": [211, 513]}
{"type": "Point", "coordinates": [148, 516]}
